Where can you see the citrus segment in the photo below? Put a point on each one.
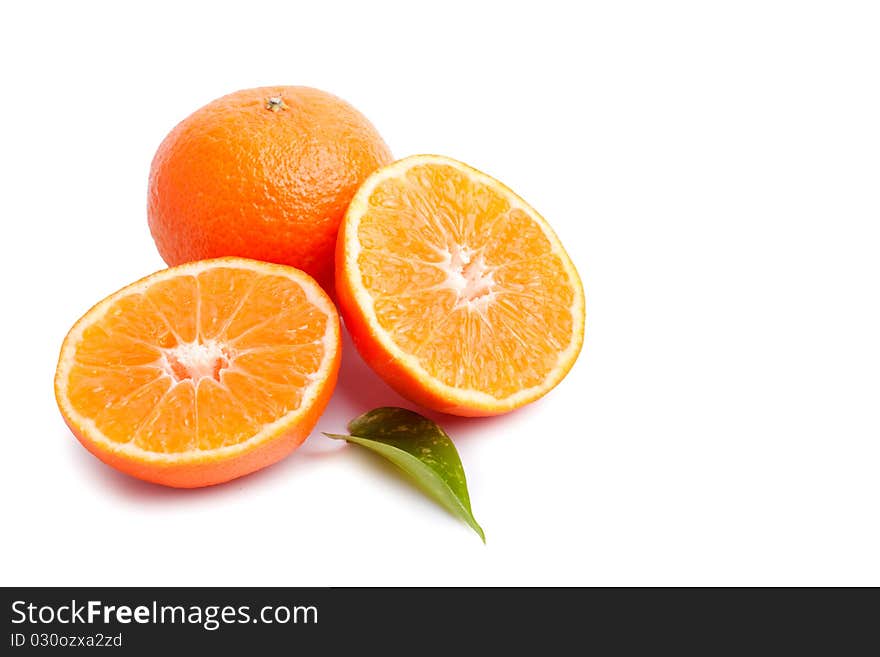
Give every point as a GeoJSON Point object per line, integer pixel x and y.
{"type": "Point", "coordinates": [455, 290]}
{"type": "Point", "coordinates": [201, 373]}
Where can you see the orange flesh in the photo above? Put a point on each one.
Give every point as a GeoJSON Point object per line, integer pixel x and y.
{"type": "Point", "coordinates": [198, 362]}
{"type": "Point", "coordinates": [463, 281]}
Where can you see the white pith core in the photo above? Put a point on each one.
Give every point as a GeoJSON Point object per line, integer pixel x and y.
{"type": "Point", "coordinates": [468, 275]}
{"type": "Point", "coordinates": [195, 361]}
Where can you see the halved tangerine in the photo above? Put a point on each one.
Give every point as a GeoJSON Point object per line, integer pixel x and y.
{"type": "Point", "coordinates": [455, 290]}
{"type": "Point", "coordinates": [200, 373]}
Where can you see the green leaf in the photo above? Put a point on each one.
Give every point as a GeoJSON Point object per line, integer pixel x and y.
{"type": "Point", "coordinates": [422, 450]}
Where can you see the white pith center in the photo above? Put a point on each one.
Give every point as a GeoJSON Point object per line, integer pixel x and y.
{"type": "Point", "coordinates": [195, 360]}
{"type": "Point", "coordinates": [468, 275]}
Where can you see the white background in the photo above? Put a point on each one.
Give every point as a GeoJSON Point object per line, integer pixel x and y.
{"type": "Point", "coordinates": [714, 172]}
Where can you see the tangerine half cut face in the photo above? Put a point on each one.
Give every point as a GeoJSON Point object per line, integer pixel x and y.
{"type": "Point", "coordinates": [200, 373]}
{"type": "Point", "coordinates": [455, 290]}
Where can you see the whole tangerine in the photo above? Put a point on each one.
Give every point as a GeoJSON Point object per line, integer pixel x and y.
{"type": "Point", "coordinates": [264, 173]}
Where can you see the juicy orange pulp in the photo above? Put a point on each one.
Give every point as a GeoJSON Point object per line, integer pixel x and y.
{"type": "Point", "coordinates": [200, 363]}
{"type": "Point", "coordinates": [449, 274]}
